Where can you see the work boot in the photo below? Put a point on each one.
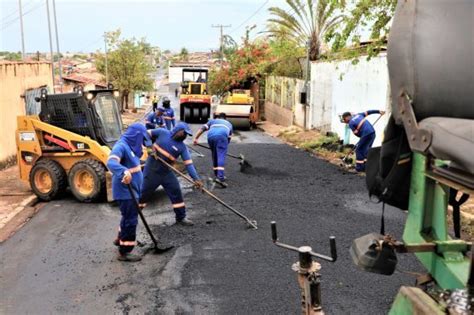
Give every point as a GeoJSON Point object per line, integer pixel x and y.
{"type": "Point", "coordinates": [129, 257]}
{"type": "Point", "coordinates": [221, 183]}
{"type": "Point", "coordinates": [185, 222]}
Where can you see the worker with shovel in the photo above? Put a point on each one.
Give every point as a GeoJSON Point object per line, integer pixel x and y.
{"type": "Point", "coordinates": [363, 129]}
{"type": "Point", "coordinates": [169, 145]}
{"type": "Point", "coordinates": [124, 163]}
{"type": "Point", "coordinates": [218, 138]}
{"type": "Point", "coordinates": [155, 119]}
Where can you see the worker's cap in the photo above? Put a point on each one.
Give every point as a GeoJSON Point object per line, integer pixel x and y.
{"type": "Point", "coordinates": [182, 126]}
{"type": "Point", "coordinates": [161, 109]}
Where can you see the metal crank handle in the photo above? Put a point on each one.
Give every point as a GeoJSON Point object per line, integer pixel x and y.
{"type": "Point", "coordinates": [332, 245]}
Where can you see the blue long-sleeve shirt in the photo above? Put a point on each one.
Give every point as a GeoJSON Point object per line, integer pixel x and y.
{"type": "Point", "coordinates": [218, 128]}
{"type": "Point", "coordinates": [170, 150]}
{"type": "Point", "coordinates": [121, 159]}
{"type": "Point", "coordinates": [153, 121]}
{"type": "Point", "coordinates": [359, 124]}
{"type": "Point", "coordinates": [169, 119]}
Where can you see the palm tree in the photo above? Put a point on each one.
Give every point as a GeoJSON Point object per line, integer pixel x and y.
{"type": "Point", "coordinates": [310, 21]}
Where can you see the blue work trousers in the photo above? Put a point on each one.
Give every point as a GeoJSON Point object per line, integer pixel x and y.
{"type": "Point", "coordinates": [218, 147]}
{"type": "Point", "coordinates": [362, 150]}
{"type": "Point", "coordinates": [128, 225]}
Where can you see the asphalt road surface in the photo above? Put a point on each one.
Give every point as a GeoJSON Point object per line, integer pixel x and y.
{"type": "Point", "coordinates": [63, 260]}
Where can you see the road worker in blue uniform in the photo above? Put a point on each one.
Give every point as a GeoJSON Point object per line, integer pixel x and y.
{"type": "Point", "coordinates": [218, 137]}
{"type": "Point", "coordinates": [363, 129]}
{"type": "Point", "coordinates": [168, 114]}
{"type": "Point", "coordinates": [169, 145]}
{"type": "Point", "coordinates": [124, 163]}
{"type": "Point", "coordinates": [155, 119]}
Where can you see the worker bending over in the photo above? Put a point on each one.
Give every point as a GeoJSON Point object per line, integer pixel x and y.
{"type": "Point", "coordinates": [169, 146]}
{"type": "Point", "coordinates": [218, 138]}
{"type": "Point", "coordinates": [168, 114]}
{"type": "Point", "coordinates": [363, 129]}
{"type": "Point", "coordinates": [155, 119]}
{"type": "Point", "coordinates": [124, 163]}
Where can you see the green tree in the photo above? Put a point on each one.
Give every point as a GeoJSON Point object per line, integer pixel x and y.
{"type": "Point", "coordinates": [372, 15]}
{"type": "Point", "coordinates": [310, 21]}
{"type": "Point", "coordinates": [229, 45]}
{"type": "Point", "coordinates": [128, 67]}
{"type": "Point", "coordinates": [11, 56]}
{"type": "Point", "coordinates": [184, 54]}
{"type": "Point", "coordinates": [243, 67]}
{"type": "Point", "coordinates": [287, 58]}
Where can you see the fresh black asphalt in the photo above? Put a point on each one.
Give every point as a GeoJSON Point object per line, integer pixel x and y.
{"type": "Point", "coordinates": [63, 260]}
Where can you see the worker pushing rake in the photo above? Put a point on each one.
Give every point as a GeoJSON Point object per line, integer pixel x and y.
{"type": "Point", "coordinates": [219, 134]}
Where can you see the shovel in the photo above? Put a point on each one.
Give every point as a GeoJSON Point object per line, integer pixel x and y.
{"type": "Point", "coordinates": [157, 249]}
{"type": "Point", "coordinates": [195, 151]}
{"type": "Point", "coordinates": [251, 223]}
{"type": "Point", "coordinates": [243, 163]}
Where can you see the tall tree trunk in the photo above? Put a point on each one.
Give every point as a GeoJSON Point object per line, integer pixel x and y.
{"type": "Point", "coordinates": [126, 94]}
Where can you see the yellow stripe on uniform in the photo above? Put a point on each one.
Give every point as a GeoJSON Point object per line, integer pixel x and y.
{"type": "Point", "coordinates": [219, 168]}
{"type": "Point", "coordinates": [188, 162]}
{"type": "Point", "coordinates": [178, 205]}
{"type": "Point", "coordinates": [360, 161]}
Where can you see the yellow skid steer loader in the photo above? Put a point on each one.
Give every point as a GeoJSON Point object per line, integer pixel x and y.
{"type": "Point", "coordinates": [68, 144]}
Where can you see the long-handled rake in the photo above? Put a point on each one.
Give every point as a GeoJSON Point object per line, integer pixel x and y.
{"type": "Point", "coordinates": [244, 164]}
{"type": "Point", "coordinates": [195, 151]}
{"type": "Point", "coordinates": [251, 223]}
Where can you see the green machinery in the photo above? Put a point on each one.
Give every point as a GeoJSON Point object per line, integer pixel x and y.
{"type": "Point", "coordinates": [433, 99]}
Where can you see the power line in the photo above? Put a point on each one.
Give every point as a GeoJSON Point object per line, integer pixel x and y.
{"type": "Point", "coordinates": [15, 12]}
{"type": "Point", "coordinates": [250, 17]}
{"type": "Point", "coordinates": [10, 23]}
{"type": "Point", "coordinates": [221, 40]}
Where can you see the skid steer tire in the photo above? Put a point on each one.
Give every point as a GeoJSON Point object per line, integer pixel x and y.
{"type": "Point", "coordinates": [48, 180]}
{"type": "Point", "coordinates": [87, 180]}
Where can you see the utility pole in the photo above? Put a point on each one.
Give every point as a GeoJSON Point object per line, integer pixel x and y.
{"type": "Point", "coordinates": [50, 41]}
{"type": "Point", "coordinates": [106, 61]}
{"type": "Point", "coordinates": [221, 40]}
{"type": "Point", "coordinates": [22, 33]}
{"type": "Point", "coordinates": [60, 67]}
{"type": "Point", "coordinates": [306, 83]}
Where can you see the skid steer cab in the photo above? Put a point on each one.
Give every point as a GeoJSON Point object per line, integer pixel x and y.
{"type": "Point", "coordinates": [68, 144]}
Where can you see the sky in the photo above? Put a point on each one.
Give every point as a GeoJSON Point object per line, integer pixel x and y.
{"type": "Point", "coordinates": [165, 23]}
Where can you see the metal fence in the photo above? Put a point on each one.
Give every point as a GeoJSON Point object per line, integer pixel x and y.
{"type": "Point", "coordinates": [282, 91]}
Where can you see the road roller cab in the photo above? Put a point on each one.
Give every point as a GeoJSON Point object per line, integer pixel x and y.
{"type": "Point", "coordinates": [194, 101]}
{"type": "Point", "coordinates": [239, 108]}
{"type": "Point", "coordinates": [68, 144]}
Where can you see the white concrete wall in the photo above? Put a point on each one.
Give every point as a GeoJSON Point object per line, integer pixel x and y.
{"type": "Point", "coordinates": [340, 86]}
{"type": "Point", "coordinates": [175, 74]}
